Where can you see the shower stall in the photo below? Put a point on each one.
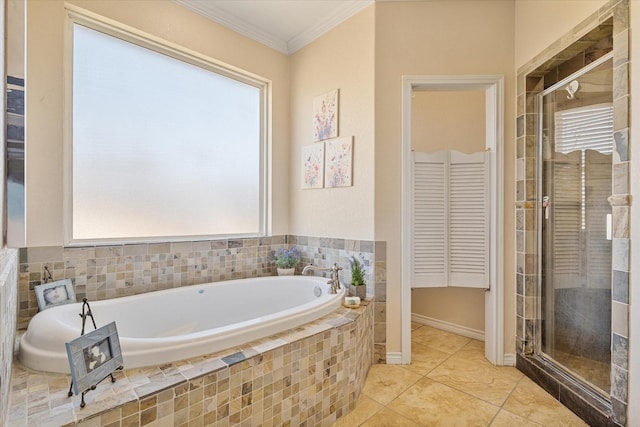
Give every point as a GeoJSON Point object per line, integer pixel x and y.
{"type": "Point", "coordinates": [575, 143]}
{"type": "Point", "coordinates": [572, 217]}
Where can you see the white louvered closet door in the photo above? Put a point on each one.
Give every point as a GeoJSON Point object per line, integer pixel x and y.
{"type": "Point", "coordinates": [450, 220]}
{"type": "Point", "coordinates": [469, 220]}
{"type": "Point", "coordinates": [429, 219]}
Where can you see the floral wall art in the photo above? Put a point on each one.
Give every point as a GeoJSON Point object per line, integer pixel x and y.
{"type": "Point", "coordinates": [325, 116]}
{"type": "Point", "coordinates": [313, 166]}
{"type": "Point", "coordinates": [338, 159]}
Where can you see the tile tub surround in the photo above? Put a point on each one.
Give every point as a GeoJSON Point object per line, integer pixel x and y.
{"type": "Point", "coordinates": [310, 375]}
{"type": "Point", "coordinates": [609, 26]}
{"type": "Point", "coordinates": [8, 298]}
{"type": "Point", "coordinates": [323, 252]}
{"type": "Point", "coordinates": [101, 272]}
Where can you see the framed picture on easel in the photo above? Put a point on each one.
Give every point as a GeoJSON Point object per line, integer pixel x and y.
{"type": "Point", "coordinates": [93, 357]}
{"type": "Point", "coordinates": [55, 293]}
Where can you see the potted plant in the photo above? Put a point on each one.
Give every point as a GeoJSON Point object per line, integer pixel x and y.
{"type": "Point", "coordinates": [358, 286]}
{"type": "Point", "coordinates": [286, 261]}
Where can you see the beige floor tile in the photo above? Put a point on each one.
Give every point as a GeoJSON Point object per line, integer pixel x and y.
{"type": "Point", "coordinates": [388, 418]}
{"type": "Point", "coordinates": [424, 359]}
{"type": "Point", "coordinates": [365, 408]}
{"type": "Point", "coordinates": [432, 404]}
{"type": "Point", "coordinates": [385, 382]}
{"type": "Point", "coordinates": [415, 326]}
{"type": "Point", "coordinates": [468, 371]}
{"type": "Point", "coordinates": [507, 419]}
{"type": "Point", "coordinates": [439, 340]}
{"type": "Point", "coordinates": [530, 401]}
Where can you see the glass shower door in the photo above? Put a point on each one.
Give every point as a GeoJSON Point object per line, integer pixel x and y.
{"type": "Point", "coordinates": [577, 146]}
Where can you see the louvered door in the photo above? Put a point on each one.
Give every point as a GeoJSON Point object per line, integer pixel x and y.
{"type": "Point", "coordinates": [468, 220]}
{"type": "Point", "coordinates": [450, 220]}
{"type": "Point", "coordinates": [429, 219]}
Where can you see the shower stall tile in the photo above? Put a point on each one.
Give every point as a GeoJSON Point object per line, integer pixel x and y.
{"type": "Point", "coordinates": [620, 319]}
{"type": "Point", "coordinates": [621, 116]}
{"type": "Point", "coordinates": [620, 351]}
{"type": "Point", "coordinates": [621, 221]}
{"type": "Point", "coordinates": [619, 411]}
{"type": "Point", "coordinates": [620, 254]}
{"type": "Point", "coordinates": [619, 378]}
{"type": "Point", "coordinates": [621, 178]}
{"type": "Point", "coordinates": [621, 81]}
{"type": "Point", "coordinates": [620, 286]}
{"type": "Point", "coordinates": [621, 146]}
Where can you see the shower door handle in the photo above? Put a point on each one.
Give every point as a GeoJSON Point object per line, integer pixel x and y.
{"type": "Point", "coordinates": [546, 201]}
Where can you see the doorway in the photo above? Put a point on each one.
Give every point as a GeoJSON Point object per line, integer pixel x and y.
{"type": "Point", "coordinates": [492, 87]}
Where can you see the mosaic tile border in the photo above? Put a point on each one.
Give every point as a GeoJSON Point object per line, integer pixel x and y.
{"type": "Point", "coordinates": [100, 272]}
{"type": "Point", "coordinates": [8, 300]}
{"type": "Point", "coordinates": [529, 82]}
{"type": "Point", "coordinates": [310, 375]}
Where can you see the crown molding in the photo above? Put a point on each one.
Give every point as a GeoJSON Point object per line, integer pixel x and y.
{"type": "Point", "coordinates": [209, 10]}
{"type": "Point", "coordinates": [346, 11]}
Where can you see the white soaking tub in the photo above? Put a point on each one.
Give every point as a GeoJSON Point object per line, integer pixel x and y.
{"type": "Point", "coordinates": [170, 325]}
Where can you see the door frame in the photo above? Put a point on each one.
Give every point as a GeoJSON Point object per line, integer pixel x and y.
{"type": "Point", "coordinates": [493, 87]}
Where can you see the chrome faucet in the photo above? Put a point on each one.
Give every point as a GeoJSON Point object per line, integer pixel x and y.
{"type": "Point", "coordinates": [334, 281]}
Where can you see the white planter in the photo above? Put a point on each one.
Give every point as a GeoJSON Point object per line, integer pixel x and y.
{"type": "Point", "coordinates": [286, 271]}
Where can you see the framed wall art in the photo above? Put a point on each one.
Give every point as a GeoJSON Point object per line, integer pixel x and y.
{"type": "Point", "coordinates": [338, 162]}
{"type": "Point", "coordinates": [325, 116]}
{"type": "Point", "coordinates": [313, 166]}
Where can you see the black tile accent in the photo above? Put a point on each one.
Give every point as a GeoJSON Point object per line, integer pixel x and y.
{"type": "Point", "coordinates": [594, 410]}
{"type": "Point", "coordinates": [15, 81]}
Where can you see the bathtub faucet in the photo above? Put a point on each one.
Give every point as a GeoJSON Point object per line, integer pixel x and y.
{"type": "Point", "coordinates": [335, 280]}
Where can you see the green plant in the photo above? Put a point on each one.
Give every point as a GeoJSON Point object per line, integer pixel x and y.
{"type": "Point", "coordinates": [286, 258]}
{"type": "Point", "coordinates": [357, 272]}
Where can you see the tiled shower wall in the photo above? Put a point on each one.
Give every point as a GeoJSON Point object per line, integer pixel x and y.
{"type": "Point", "coordinates": [530, 81]}
{"type": "Point", "coordinates": [101, 272]}
{"type": "Point", "coordinates": [8, 297]}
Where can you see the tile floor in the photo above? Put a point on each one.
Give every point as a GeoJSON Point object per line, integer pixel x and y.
{"type": "Point", "coordinates": [450, 383]}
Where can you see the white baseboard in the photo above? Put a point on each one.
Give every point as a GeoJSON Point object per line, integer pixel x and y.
{"type": "Point", "coordinates": [449, 327]}
{"type": "Point", "coordinates": [394, 358]}
{"type": "Point", "coordinates": [509, 359]}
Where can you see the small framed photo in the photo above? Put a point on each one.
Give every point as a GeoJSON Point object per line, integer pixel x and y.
{"type": "Point", "coordinates": [55, 293]}
{"type": "Point", "coordinates": [93, 356]}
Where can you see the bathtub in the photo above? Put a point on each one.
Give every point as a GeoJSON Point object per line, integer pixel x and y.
{"type": "Point", "coordinates": [170, 325]}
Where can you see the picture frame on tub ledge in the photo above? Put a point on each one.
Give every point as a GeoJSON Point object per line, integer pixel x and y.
{"type": "Point", "coordinates": [54, 293]}
{"type": "Point", "coordinates": [93, 357]}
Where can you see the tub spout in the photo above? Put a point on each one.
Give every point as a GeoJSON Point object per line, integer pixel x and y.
{"type": "Point", "coordinates": [335, 279]}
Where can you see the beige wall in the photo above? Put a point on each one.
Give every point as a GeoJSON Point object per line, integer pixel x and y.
{"type": "Point", "coordinates": [163, 19]}
{"type": "Point", "coordinates": [341, 59]}
{"type": "Point", "coordinates": [539, 23]}
{"type": "Point", "coordinates": [449, 121]}
{"type": "Point", "coordinates": [437, 38]}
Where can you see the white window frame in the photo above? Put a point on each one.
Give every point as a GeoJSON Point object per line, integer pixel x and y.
{"type": "Point", "coordinates": [76, 15]}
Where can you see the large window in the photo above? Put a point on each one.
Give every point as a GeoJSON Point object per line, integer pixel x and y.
{"type": "Point", "coordinates": [163, 147]}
